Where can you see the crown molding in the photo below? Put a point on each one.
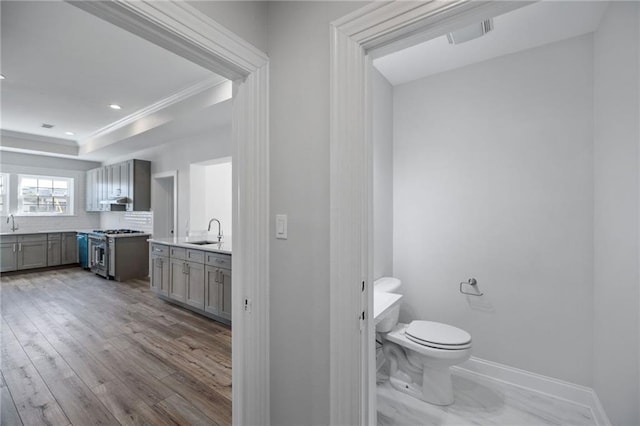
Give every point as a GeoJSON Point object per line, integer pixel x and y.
{"type": "Point", "coordinates": [149, 110]}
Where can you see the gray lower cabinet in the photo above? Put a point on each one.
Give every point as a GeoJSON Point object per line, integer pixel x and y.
{"type": "Point", "coordinates": [32, 251]}
{"type": "Point", "coordinates": [177, 280]}
{"type": "Point", "coordinates": [54, 250]}
{"type": "Point", "coordinates": [160, 274]}
{"type": "Point", "coordinates": [195, 284]}
{"type": "Point", "coordinates": [69, 248]}
{"type": "Point", "coordinates": [8, 255]}
{"type": "Point", "coordinates": [199, 279]}
{"type": "Point", "coordinates": [218, 292]}
{"type": "Point", "coordinates": [29, 251]}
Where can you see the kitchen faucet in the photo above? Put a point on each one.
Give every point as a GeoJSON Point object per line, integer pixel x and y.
{"type": "Point", "coordinates": [14, 228]}
{"type": "Point", "coordinates": [219, 228]}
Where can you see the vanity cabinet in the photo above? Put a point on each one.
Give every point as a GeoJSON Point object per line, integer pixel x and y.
{"type": "Point", "coordinates": [196, 279]}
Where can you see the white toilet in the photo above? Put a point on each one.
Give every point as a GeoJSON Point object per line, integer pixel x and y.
{"type": "Point", "coordinates": [420, 353]}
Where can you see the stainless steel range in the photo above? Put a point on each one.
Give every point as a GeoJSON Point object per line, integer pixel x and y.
{"type": "Point", "coordinates": [119, 254]}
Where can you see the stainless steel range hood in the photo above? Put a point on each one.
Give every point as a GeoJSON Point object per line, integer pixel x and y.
{"type": "Point", "coordinates": [116, 204]}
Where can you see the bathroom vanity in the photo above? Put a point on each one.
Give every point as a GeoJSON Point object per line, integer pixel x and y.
{"type": "Point", "coordinates": [194, 274]}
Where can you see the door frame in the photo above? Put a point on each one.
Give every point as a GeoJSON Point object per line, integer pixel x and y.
{"type": "Point", "coordinates": [173, 174]}
{"type": "Point", "coordinates": [182, 29]}
{"type": "Point", "coordinates": [372, 31]}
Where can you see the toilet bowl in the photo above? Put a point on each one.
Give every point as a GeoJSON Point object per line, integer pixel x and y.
{"type": "Point", "coordinates": [420, 353]}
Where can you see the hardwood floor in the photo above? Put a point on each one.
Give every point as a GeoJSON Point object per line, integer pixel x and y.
{"type": "Point", "coordinates": [80, 350]}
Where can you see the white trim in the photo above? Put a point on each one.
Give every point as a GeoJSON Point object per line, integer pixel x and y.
{"type": "Point", "coordinates": [155, 107]}
{"type": "Point", "coordinates": [559, 389]}
{"type": "Point", "coordinates": [171, 174]}
{"type": "Point", "coordinates": [354, 39]}
{"type": "Point", "coordinates": [184, 30]}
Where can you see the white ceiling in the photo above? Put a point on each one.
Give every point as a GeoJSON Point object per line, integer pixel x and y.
{"type": "Point", "coordinates": [64, 67]}
{"type": "Point", "coordinates": [528, 27]}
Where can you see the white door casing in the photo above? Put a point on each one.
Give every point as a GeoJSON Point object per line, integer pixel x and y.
{"type": "Point", "coordinates": [374, 30]}
{"type": "Point", "coordinates": [184, 30]}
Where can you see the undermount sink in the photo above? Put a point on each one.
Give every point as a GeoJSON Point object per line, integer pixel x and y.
{"type": "Point", "coordinates": [202, 243]}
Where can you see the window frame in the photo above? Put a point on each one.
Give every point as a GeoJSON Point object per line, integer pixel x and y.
{"type": "Point", "coordinates": [70, 211]}
{"type": "Point", "coordinates": [5, 190]}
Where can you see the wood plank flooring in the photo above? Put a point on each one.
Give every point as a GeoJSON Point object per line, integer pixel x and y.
{"type": "Point", "coordinates": [76, 349]}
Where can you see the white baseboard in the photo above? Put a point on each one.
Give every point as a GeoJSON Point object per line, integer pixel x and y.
{"type": "Point", "coordinates": [560, 389]}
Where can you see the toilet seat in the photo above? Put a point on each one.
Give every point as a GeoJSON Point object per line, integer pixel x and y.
{"type": "Point", "coordinates": [438, 335]}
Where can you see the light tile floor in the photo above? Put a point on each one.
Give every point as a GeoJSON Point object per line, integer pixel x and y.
{"type": "Point", "coordinates": [480, 401]}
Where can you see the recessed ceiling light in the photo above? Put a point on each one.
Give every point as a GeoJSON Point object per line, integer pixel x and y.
{"type": "Point", "coordinates": [47, 125]}
{"type": "Point", "coordinates": [2, 77]}
{"type": "Point", "coordinates": [69, 133]}
{"type": "Point", "coordinates": [115, 106]}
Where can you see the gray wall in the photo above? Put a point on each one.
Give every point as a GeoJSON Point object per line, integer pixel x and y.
{"type": "Point", "coordinates": [382, 176]}
{"type": "Point", "coordinates": [298, 46]}
{"type": "Point", "coordinates": [616, 72]}
{"type": "Point", "coordinates": [179, 155]}
{"type": "Point", "coordinates": [18, 163]}
{"type": "Point", "coordinates": [245, 18]}
{"type": "Point", "coordinates": [493, 180]}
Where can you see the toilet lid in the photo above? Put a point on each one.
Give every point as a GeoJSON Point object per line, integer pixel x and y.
{"type": "Point", "coordinates": [438, 335]}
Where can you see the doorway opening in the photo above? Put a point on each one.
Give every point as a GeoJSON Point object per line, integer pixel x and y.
{"type": "Point", "coordinates": [164, 200]}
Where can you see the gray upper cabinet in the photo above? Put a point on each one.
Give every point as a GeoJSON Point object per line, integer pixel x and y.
{"type": "Point", "coordinates": [108, 186]}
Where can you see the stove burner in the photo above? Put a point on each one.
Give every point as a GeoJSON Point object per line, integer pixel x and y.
{"type": "Point", "coordinates": [116, 231]}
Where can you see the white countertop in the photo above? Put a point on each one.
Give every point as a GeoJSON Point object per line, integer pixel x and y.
{"type": "Point", "coordinates": [48, 231]}
{"type": "Point", "coordinates": [79, 231]}
{"type": "Point", "coordinates": [187, 242]}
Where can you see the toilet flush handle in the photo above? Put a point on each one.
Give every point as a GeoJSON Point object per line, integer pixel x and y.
{"type": "Point", "coordinates": [473, 283]}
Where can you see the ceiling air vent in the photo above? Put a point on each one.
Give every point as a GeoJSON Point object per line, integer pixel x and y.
{"type": "Point", "coordinates": [47, 126]}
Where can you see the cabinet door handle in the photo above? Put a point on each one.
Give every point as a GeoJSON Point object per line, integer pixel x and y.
{"type": "Point", "coordinates": [19, 246]}
{"type": "Point", "coordinates": [219, 272]}
{"type": "Point", "coordinates": [14, 247]}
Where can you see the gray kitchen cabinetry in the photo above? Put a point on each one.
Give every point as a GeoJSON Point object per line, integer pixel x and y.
{"type": "Point", "coordinates": [29, 251]}
{"type": "Point", "coordinates": [218, 285]}
{"type": "Point", "coordinates": [69, 248]}
{"type": "Point", "coordinates": [196, 279]}
{"type": "Point", "coordinates": [177, 280]}
{"type": "Point", "coordinates": [195, 284]}
{"type": "Point", "coordinates": [54, 249]}
{"type": "Point", "coordinates": [32, 251]}
{"type": "Point", "coordinates": [8, 254]}
{"type": "Point", "coordinates": [129, 180]}
{"type": "Point", "coordinates": [160, 269]}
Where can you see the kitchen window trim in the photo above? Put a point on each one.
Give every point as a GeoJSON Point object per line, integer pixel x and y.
{"type": "Point", "coordinates": [18, 196]}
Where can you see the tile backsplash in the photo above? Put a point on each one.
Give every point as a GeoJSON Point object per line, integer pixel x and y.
{"type": "Point", "coordinates": [142, 221]}
{"type": "Point", "coordinates": [51, 223]}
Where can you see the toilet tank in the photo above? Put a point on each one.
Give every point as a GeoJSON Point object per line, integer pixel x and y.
{"type": "Point", "coordinates": [387, 284]}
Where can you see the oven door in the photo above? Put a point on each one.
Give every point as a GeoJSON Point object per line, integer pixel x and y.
{"type": "Point", "coordinates": [98, 256]}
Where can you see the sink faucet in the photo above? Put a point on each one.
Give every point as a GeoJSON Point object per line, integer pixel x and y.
{"type": "Point", "coordinates": [13, 222]}
{"type": "Point", "coordinates": [219, 228]}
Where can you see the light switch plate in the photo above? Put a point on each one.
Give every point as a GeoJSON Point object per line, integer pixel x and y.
{"type": "Point", "coordinates": [281, 226]}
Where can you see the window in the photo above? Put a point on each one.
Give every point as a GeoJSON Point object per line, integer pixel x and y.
{"type": "Point", "coordinates": [45, 195]}
{"type": "Point", "coordinates": [4, 191]}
